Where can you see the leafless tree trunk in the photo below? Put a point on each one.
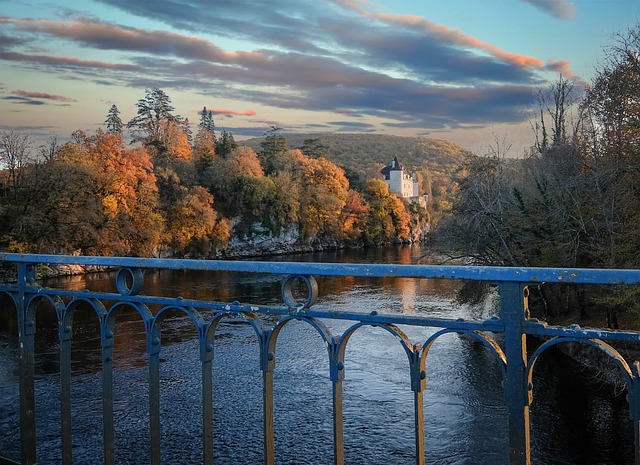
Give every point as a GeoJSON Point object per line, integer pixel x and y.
{"type": "Point", "coordinates": [15, 154]}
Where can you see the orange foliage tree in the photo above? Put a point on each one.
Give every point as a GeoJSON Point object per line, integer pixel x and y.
{"type": "Point", "coordinates": [388, 218]}
{"type": "Point", "coordinates": [125, 185]}
{"type": "Point", "coordinates": [324, 187]}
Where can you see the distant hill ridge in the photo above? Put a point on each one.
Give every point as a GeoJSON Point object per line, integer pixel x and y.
{"type": "Point", "coordinates": [365, 154]}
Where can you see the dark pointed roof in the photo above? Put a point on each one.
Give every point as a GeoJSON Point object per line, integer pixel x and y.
{"type": "Point", "coordinates": [393, 166]}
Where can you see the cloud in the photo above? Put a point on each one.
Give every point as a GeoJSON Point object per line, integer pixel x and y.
{"type": "Point", "coordinates": [8, 40]}
{"type": "Point", "coordinates": [23, 100]}
{"type": "Point", "coordinates": [43, 95]}
{"type": "Point", "coordinates": [220, 111]}
{"type": "Point", "coordinates": [352, 125]}
{"type": "Point", "coordinates": [560, 67]}
{"type": "Point", "coordinates": [67, 62]}
{"type": "Point", "coordinates": [443, 33]}
{"type": "Point", "coordinates": [339, 57]}
{"type": "Point", "coordinates": [107, 36]}
{"type": "Point", "coordinates": [560, 9]}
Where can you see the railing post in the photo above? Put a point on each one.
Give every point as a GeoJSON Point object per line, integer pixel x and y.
{"type": "Point", "coordinates": [65, 393]}
{"type": "Point", "coordinates": [26, 335]}
{"type": "Point", "coordinates": [206, 358]}
{"type": "Point", "coordinates": [512, 312]}
{"type": "Point", "coordinates": [336, 373]}
{"type": "Point", "coordinates": [633, 397]}
{"type": "Point", "coordinates": [267, 365]}
{"type": "Point", "coordinates": [418, 385]}
{"type": "Point", "coordinates": [154, 394]}
{"type": "Point", "coordinates": [106, 339]}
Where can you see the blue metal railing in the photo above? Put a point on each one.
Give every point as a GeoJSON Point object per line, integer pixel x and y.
{"type": "Point", "coordinates": [512, 323]}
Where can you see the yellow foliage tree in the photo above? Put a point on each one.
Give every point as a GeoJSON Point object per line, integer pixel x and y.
{"type": "Point", "coordinates": [324, 187]}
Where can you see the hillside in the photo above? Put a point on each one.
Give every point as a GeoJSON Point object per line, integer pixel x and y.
{"type": "Point", "coordinates": [366, 154]}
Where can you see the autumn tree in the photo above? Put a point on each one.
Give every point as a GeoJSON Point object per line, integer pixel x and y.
{"type": "Point", "coordinates": [204, 151]}
{"type": "Point", "coordinates": [388, 219]}
{"type": "Point", "coordinates": [194, 228]}
{"type": "Point", "coordinates": [49, 150]}
{"type": "Point", "coordinates": [572, 201]}
{"type": "Point", "coordinates": [58, 210]}
{"type": "Point", "coordinates": [354, 218]}
{"type": "Point", "coordinates": [94, 197]}
{"type": "Point", "coordinates": [126, 189]}
{"type": "Point", "coordinates": [324, 188]}
{"type": "Point", "coordinates": [173, 145]}
{"type": "Point", "coordinates": [242, 190]}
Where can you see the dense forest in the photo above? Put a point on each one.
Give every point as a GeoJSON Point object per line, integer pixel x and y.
{"type": "Point", "coordinates": [573, 201]}
{"type": "Point", "coordinates": [362, 156]}
{"type": "Point", "coordinates": [156, 187]}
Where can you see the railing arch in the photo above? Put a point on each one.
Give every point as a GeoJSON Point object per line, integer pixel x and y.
{"type": "Point", "coordinates": [493, 347]}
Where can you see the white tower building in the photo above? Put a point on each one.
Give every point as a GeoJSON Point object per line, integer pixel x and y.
{"type": "Point", "coordinates": [402, 183]}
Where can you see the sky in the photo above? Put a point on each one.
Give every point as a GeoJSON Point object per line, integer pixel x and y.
{"type": "Point", "coordinates": [467, 71]}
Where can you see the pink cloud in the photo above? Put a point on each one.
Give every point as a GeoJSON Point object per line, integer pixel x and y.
{"type": "Point", "coordinates": [445, 33]}
{"type": "Point", "coordinates": [221, 111]}
{"type": "Point", "coordinates": [43, 95]}
{"type": "Point", "coordinates": [112, 36]}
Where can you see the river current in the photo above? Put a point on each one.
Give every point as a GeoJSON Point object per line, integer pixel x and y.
{"type": "Point", "coordinates": [573, 421]}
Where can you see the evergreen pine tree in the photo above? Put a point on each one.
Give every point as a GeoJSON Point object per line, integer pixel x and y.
{"type": "Point", "coordinates": [206, 121]}
{"type": "Point", "coordinates": [187, 131]}
{"type": "Point", "coordinates": [152, 111]}
{"type": "Point", "coordinates": [225, 144]}
{"type": "Point", "coordinates": [113, 121]}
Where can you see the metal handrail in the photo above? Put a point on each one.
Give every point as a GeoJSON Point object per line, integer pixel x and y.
{"type": "Point", "coordinates": [513, 324]}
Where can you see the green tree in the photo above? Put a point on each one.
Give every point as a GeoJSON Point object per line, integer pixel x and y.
{"type": "Point", "coordinates": [225, 144]}
{"type": "Point", "coordinates": [284, 205]}
{"type": "Point", "coordinates": [206, 122]}
{"type": "Point", "coordinates": [186, 127]}
{"type": "Point", "coordinates": [314, 148]}
{"type": "Point", "coordinates": [113, 121]}
{"type": "Point", "coordinates": [273, 149]}
{"type": "Point", "coordinates": [154, 110]}
{"type": "Point", "coordinates": [240, 187]}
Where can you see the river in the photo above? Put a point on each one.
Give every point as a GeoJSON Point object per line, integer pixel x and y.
{"type": "Point", "coordinates": [573, 422]}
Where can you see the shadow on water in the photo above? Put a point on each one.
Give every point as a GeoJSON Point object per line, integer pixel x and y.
{"type": "Point", "coordinates": [465, 417]}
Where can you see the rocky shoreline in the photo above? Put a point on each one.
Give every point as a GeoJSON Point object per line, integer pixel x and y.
{"type": "Point", "coordinates": [254, 248]}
